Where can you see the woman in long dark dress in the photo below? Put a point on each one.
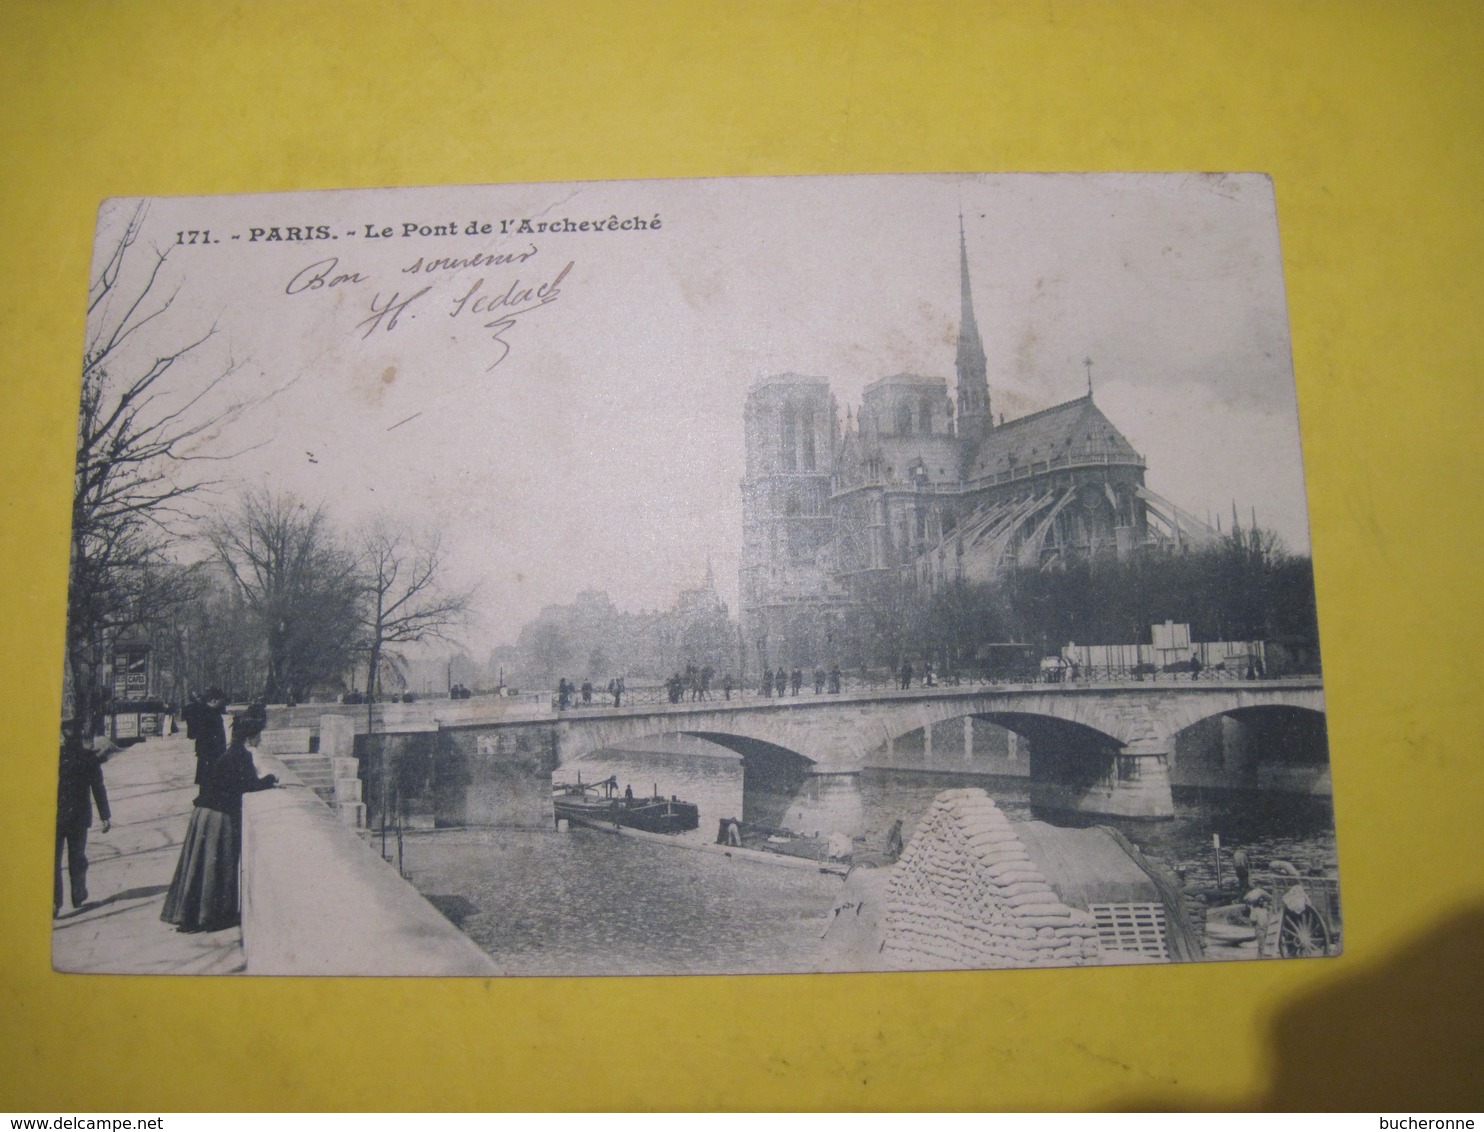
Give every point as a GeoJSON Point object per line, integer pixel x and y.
{"type": "Point", "coordinates": [204, 896]}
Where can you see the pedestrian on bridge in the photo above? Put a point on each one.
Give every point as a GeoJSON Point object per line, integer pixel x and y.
{"type": "Point", "coordinates": [796, 680]}
{"type": "Point", "coordinates": [906, 675]}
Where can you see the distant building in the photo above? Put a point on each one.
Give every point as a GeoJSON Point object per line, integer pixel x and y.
{"type": "Point", "coordinates": [591, 639]}
{"type": "Point", "coordinates": [922, 487]}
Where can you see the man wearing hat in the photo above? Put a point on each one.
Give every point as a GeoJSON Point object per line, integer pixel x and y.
{"type": "Point", "coordinates": [203, 720]}
{"type": "Point", "coordinates": [79, 782]}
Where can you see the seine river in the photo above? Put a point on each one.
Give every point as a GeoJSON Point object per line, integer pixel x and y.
{"type": "Point", "coordinates": [588, 902]}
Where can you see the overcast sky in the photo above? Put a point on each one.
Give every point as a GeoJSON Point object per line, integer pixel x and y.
{"type": "Point", "coordinates": [596, 441]}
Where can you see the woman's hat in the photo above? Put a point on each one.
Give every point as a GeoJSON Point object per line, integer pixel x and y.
{"type": "Point", "coordinates": [250, 722]}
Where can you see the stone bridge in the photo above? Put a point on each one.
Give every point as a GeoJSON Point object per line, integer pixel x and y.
{"type": "Point", "coordinates": [1095, 748]}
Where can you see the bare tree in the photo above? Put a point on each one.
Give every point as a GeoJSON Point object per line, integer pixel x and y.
{"type": "Point", "coordinates": [299, 583]}
{"type": "Point", "coordinates": [548, 647]}
{"type": "Point", "coordinates": [405, 598]}
{"type": "Point", "coordinates": [133, 459]}
{"type": "Point", "coordinates": [215, 640]}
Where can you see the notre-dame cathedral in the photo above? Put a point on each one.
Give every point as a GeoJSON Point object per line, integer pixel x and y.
{"type": "Point", "coordinates": [922, 487]}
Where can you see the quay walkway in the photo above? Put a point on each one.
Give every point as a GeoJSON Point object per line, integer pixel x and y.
{"type": "Point", "coordinates": [316, 900]}
{"type": "Point", "coordinates": [150, 790]}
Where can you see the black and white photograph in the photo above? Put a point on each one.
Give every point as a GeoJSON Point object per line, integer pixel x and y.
{"type": "Point", "coordinates": [739, 576]}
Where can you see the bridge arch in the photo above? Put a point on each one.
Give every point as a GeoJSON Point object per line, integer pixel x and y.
{"type": "Point", "coordinates": [1032, 713]}
{"type": "Point", "coordinates": [1055, 744]}
{"type": "Point", "coordinates": [779, 790]}
{"type": "Point", "coordinates": [1061, 750]}
{"type": "Point", "coordinates": [766, 767]}
{"type": "Point", "coordinates": [770, 785]}
{"type": "Point", "coordinates": [1260, 747]}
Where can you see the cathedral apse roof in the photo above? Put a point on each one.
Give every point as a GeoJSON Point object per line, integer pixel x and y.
{"type": "Point", "coordinates": [1070, 431]}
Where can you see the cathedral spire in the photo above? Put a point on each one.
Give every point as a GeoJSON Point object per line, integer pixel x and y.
{"type": "Point", "coordinates": [974, 419]}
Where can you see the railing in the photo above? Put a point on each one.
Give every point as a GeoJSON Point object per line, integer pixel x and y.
{"type": "Point", "coordinates": [993, 479]}
{"type": "Point", "coordinates": [1069, 677]}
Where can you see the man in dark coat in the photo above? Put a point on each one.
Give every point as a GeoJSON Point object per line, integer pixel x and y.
{"type": "Point", "coordinates": [203, 720]}
{"type": "Point", "coordinates": [79, 782]}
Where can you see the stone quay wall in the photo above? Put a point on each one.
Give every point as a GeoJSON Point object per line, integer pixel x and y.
{"type": "Point", "coordinates": [316, 900]}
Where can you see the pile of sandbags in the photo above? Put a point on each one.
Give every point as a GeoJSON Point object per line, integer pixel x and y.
{"type": "Point", "coordinates": [965, 893]}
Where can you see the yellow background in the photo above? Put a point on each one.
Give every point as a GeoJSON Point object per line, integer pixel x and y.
{"type": "Point", "coordinates": [1368, 117]}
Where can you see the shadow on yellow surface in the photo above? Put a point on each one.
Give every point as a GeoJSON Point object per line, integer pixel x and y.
{"type": "Point", "coordinates": [1402, 1034]}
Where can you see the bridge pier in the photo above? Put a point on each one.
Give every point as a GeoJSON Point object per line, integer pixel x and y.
{"type": "Point", "coordinates": [1136, 785]}
{"type": "Point", "coordinates": [827, 801]}
{"type": "Point", "coordinates": [499, 777]}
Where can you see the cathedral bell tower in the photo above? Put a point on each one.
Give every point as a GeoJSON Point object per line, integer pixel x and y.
{"type": "Point", "coordinates": [974, 421]}
{"type": "Point", "coordinates": [791, 434]}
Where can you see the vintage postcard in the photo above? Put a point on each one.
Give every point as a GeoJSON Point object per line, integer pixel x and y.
{"type": "Point", "coordinates": [721, 576]}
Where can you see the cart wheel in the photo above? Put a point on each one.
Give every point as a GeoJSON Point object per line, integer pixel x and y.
{"type": "Point", "coordinates": [1303, 935]}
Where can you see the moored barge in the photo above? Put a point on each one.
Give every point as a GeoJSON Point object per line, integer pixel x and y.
{"type": "Point", "coordinates": [600, 803]}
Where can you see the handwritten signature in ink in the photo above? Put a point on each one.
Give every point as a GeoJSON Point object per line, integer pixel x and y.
{"type": "Point", "coordinates": [507, 306]}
